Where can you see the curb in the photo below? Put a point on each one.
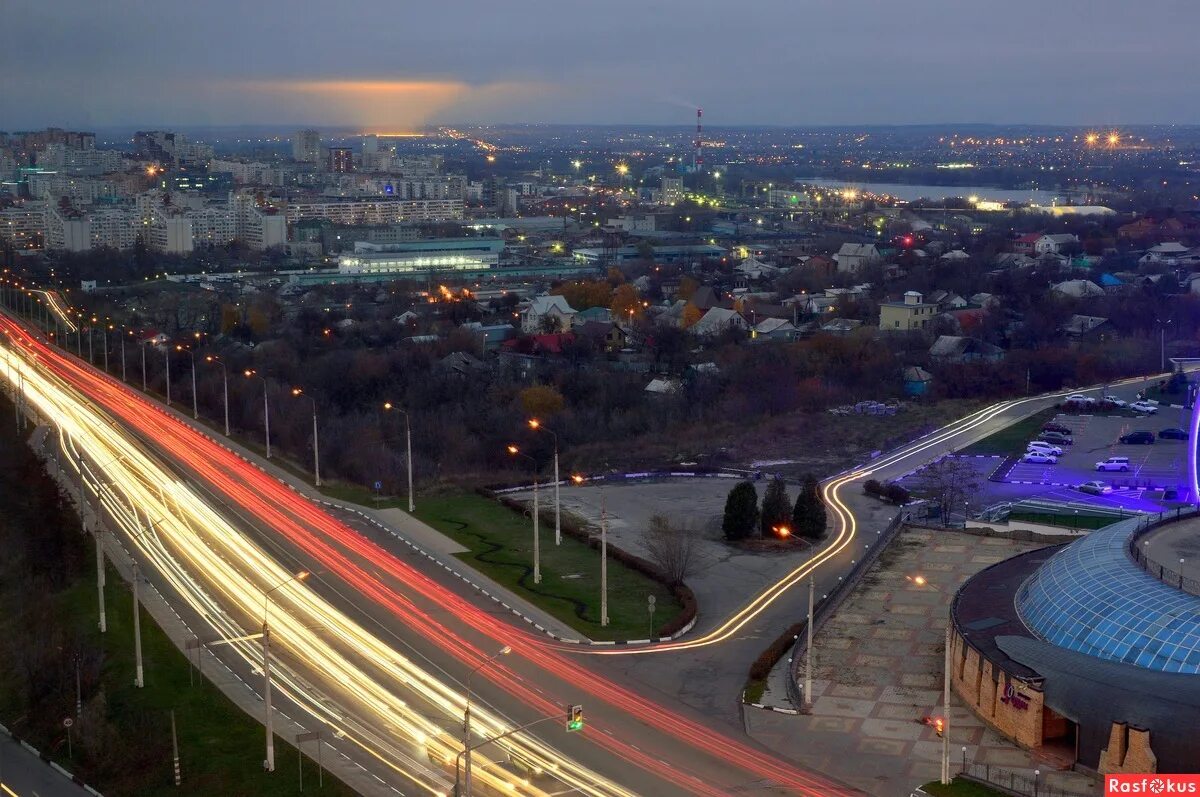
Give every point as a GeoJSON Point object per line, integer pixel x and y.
{"type": "Point", "coordinates": [516, 612]}
{"type": "Point", "coordinates": [776, 709]}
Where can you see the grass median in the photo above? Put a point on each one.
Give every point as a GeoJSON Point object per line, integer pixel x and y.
{"type": "Point", "coordinates": [960, 788]}
{"type": "Point", "coordinates": [1012, 439]}
{"type": "Point", "coordinates": [500, 545]}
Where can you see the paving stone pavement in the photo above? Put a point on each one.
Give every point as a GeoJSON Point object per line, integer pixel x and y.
{"type": "Point", "coordinates": [878, 675]}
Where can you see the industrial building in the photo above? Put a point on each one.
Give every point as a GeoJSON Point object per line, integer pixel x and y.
{"type": "Point", "coordinates": [437, 254]}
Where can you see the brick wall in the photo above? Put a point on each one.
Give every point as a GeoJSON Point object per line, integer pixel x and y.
{"type": "Point", "coordinates": [1128, 751]}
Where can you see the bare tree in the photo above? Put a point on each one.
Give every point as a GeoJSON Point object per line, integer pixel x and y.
{"type": "Point", "coordinates": [950, 481]}
{"type": "Point", "coordinates": [674, 547]}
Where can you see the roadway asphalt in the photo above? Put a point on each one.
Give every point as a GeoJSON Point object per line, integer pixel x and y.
{"type": "Point", "coordinates": [23, 774]}
{"type": "Point", "coordinates": [644, 746]}
{"type": "Point", "coordinates": [440, 623]}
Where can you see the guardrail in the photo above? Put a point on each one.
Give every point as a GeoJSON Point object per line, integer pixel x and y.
{"type": "Point", "coordinates": [1140, 554]}
{"type": "Point", "coordinates": [1020, 784]}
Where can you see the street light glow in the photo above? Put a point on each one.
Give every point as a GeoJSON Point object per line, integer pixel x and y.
{"type": "Point", "coordinates": [514, 450]}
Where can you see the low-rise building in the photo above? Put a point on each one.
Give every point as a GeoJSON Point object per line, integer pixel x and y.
{"type": "Point", "coordinates": [904, 316]}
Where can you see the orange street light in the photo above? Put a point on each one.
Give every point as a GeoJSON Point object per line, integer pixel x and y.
{"type": "Point", "coordinates": [920, 581]}
{"type": "Point", "coordinates": [534, 423]}
{"type": "Point", "coordinates": [782, 531]}
{"type": "Point", "coordinates": [575, 477]}
{"type": "Point", "coordinates": [514, 450]}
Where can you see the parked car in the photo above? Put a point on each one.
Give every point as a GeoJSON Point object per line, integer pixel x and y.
{"type": "Point", "coordinates": [1039, 458]}
{"type": "Point", "coordinates": [1079, 398]}
{"type": "Point", "coordinates": [1138, 438]}
{"type": "Point", "coordinates": [1056, 437]}
{"type": "Point", "coordinates": [1173, 434]}
{"type": "Point", "coordinates": [1116, 402]}
{"type": "Point", "coordinates": [1056, 427]}
{"type": "Point", "coordinates": [1114, 463]}
{"type": "Point", "coordinates": [1144, 406]}
{"type": "Point", "coordinates": [1043, 447]}
{"type": "Point", "coordinates": [1095, 488]}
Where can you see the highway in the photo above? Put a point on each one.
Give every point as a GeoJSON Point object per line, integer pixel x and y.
{"type": "Point", "coordinates": [371, 646]}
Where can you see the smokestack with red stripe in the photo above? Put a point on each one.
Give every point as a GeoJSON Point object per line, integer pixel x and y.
{"type": "Point", "coordinates": [698, 155]}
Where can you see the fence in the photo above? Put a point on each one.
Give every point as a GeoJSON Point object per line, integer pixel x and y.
{"type": "Point", "coordinates": [829, 604]}
{"type": "Point", "coordinates": [1141, 553]}
{"type": "Point", "coordinates": [1024, 784]}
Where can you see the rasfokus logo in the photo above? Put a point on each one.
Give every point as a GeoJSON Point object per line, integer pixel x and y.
{"type": "Point", "coordinates": [1151, 784]}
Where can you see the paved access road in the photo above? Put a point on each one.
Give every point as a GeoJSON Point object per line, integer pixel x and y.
{"type": "Point", "coordinates": [22, 774]}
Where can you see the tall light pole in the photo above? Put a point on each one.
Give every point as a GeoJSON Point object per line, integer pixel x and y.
{"type": "Point", "coordinates": [123, 358]}
{"type": "Point", "coordinates": [195, 404]}
{"type": "Point", "coordinates": [387, 405]}
{"type": "Point", "coordinates": [224, 387]}
{"type": "Point", "coordinates": [603, 552]}
{"type": "Point", "coordinates": [808, 654]}
{"type": "Point", "coordinates": [537, 539]}
{"type": "Point", "coordinates": [538, 426]}
{"type": "Point", "coordinates": [946, 711]}
{"type": "Point", "coordinates": [504, 651]}
{"type": "Point", "coordinates": [104, 336]}
{"type": "Point", "coordinates": [167, 360]}
{"type": "Point", "coordinates": [316, 449]}
{"type": "Point", "coordinates": [250, 373]}
{"type": "Point", "coordinates": [142, 346]}
{"type": "Point", "coordinates": [269, 763]}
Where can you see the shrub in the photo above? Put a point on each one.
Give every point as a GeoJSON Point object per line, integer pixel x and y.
{"type": "Point", "coordinates": [896, 493]}
{"type": "Point", "coordinates": [741, 512]}
{"type": "Point", "coordinates": [872, 487]}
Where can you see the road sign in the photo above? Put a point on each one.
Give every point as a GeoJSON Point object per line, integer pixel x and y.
{"type": "Point", "coordinates": [68, 722]}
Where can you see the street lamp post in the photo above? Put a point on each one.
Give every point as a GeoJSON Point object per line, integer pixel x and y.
{"type": "Point", "coordinates": [316, 450]}
{"type": "Point", "coordinates": [269, 763]}
{"type": "Point", "coordinates": [195, 404]}
{"type": "Point", "coordinates": [538, 426]}
{"type": "Point", "coordinates": [946, 711]}
{"type": "Point", "coordinates": [603, 552]}
{"type": "Point", "coordinates": [224, 387]}
{"type": "Point", "coordinates": [387, 405]}
{"type": "Point", "coordinates": [808, 654]}
{"type": "Point", "coordinates": [266, 408]}
{"type": "Point", "coordinates": [167, 360]}
{"type": "Point", "coordinates": [537, 541]}
{"type": "Point", "coordinates": [123, 358]}
{"type": "Point", "coordinates": [504, 651]}
{"type": "Point", "coordinates": [142, 346]}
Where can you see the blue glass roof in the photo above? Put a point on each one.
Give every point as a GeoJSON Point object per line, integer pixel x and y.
{"type": "Point", "coordinates": [1093, 598]}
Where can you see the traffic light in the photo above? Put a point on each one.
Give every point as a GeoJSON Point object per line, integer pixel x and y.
{"type": "Point", "coordinates": [574, 718]}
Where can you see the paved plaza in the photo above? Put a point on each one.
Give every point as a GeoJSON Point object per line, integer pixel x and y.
{"type": "Point", "coordinates": [878, 675]}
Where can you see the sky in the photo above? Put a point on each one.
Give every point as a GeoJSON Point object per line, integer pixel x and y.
{"type": "Point", "coordinates": [397, 65]}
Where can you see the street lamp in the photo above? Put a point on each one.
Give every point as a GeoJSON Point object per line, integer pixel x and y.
{"type": "Point", "coordinates": [537, 541]}
{"type": "Point", "coordinates": [167, 359]}
{"type": "Point", "coordinates": [224, 386]}
{"type": "Point", "coordinates": [603, 552]}
{"type": "Point", "coordinates": [252, 374]}
{"type": "Point", "coordinates": [538, 426]}
{"type": "Point", "coordinates": [195, 405]}
{"type": "Point", "coordinates": [504, 651]}
{"type": "Point", "coordinates": [316, 450]}
{"type": "Point", "coordinates": [387, 405]}
{"type": "Point", "coordinates": [269, 764]}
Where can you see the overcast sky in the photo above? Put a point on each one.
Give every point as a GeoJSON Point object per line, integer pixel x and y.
{"type": "Point", "coordinates": [396, 64]}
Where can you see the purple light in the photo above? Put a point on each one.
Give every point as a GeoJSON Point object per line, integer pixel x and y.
{"type": "Point", "coordinates": [1193, 433]}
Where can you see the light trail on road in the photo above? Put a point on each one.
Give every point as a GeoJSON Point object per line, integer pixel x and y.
{"type": "Point", "coordinates": [199, 531]}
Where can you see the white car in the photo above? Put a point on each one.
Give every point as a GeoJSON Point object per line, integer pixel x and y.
{"type": "Point", "coordinates": [1114, 463]}
{"type": "Point", "coordinates": [1079, 397]}
{"type": "Point", "coordinates": [1094, 488]}
{"type": "Point", "coordinates": [1039, 458]}
{"type": "Point", "coordinates": [1116, 402]}
{"type": "Point", "coordinates": [1144, 406]}
{"type": "Point", "coordinates": [1042, 447]}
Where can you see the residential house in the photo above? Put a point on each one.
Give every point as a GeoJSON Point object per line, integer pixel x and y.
{"type": "Point", "coordinates": [600, 315]}
{"type": "Point", "coordinates": [1014, 260]}
{"type": "Point", "coordinates": [1078, 289]}
{"type": "Point", "coordinates": [985, 300]}
{"type": "Point", "coordinates": [1057, 244]}
{"type": "Point", "coordinates": [946, 300]}
{"type": "Point", "coordinates": [840, 326]}
{"type": "Point", "coordinates": [911, 313]}
{"type": "Point", "coordinates": [957, 349]}
{"type": "Point", "coordinates": [1167, 254]}
{"type": "Point", "coordinates": [1083, 327]}
{"type": "Point", "coordinates": [852, 257]}
{"type": "Point", "coordinates": [1026, 243]}
{"type": "Point", "coordinates": [663, 387]}
{"type": "Point", "coordinates": [604, 334]}
{"type": "Point", "coordinates": [955, 256]}
{"type": "Point", "coordinates": [916, 380]}
{"type": "Point", "coordinates": [774, 329]}
{"type": "Point", "coordinates": [492, 334]}
{"type": "Point", "coordinates": [547, 314]}
{"type": "Point", "coordinates": [461, 363]}
{"type": "Point", "coordinates": [718, 320]}
{"type": "Point", "coordinates": [821, 266]}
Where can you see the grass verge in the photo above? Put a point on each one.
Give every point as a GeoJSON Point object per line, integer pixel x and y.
{"type": "Point", "coordinates": [754, 690]}
{"type": "Point", "coordinates": [1070, 521]}
{"type": "Point", "coordinates": [500, 545]}
{"type": "Point", "coordinates": [1012, 439]}
{"type": "Point", "coordinates": [960, 788]}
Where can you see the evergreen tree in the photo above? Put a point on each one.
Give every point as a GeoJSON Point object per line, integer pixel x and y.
{"type": "Point", "coordinates": [808, 516]}
{"type": "Point", "coordinates": [741, 512]}
{"type": "Point", "coordinates": [776, 508]}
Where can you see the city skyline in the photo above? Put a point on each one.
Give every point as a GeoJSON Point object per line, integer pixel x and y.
{"type": "Point", "coordinates": [780, 63]}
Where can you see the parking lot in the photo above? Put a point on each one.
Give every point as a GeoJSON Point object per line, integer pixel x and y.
{"type": "Point", "coordinates": [1160, 465]}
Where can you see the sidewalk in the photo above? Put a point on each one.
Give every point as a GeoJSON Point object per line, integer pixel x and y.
{"type": "Point", "coordinates": [242, 693]}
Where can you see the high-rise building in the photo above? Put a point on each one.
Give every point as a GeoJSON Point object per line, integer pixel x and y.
{"type": "Point", "coordinates": [672, 190]}
{"type": "Point", "coordinates": [306, 146]}
{"type": "Point", "coordinates": [341, 159]}
{"type": "Point", "coordinates": [370, 144]}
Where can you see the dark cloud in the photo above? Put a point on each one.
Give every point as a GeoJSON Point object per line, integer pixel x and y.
{"type": "Point", "coordinates": [758, 61]}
